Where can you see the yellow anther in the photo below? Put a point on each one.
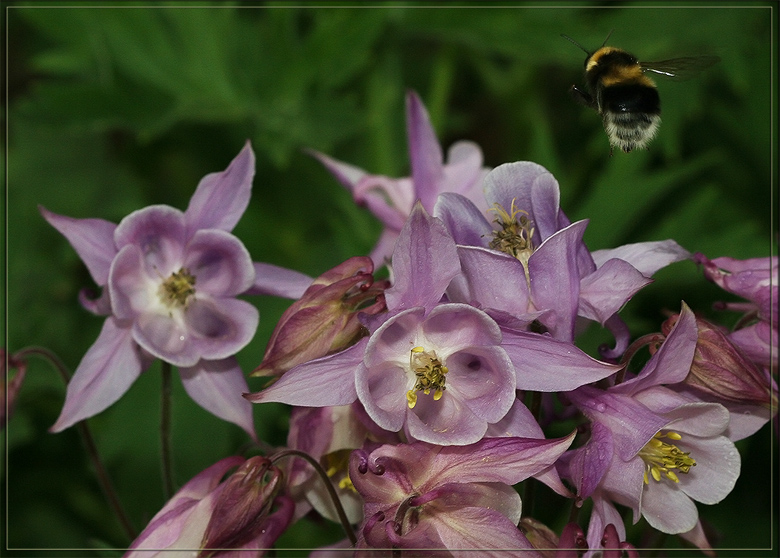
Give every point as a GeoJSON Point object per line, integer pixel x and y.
{"type": "Point", "coordinates": [663, 459]}
{"type": "Point", "coordinates": [429, 375]}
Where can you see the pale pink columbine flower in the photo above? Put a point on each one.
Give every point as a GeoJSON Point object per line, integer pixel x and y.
{"type": "Point", "coordinates": [391, 199]}
{"type": "Point", "coordinates": [450, 498]}
{"type": "Point", "coordinates": [238, 517]}
{"type": "Point", "coordinates": [169, 283]}
{"type": "Point", "coordinates": [650, 448]}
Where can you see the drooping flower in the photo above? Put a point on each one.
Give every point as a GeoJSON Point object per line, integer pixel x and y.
{"type": "Point", "coordinates": [169, 283]}
{"type": "Point", "coordinates": [440, 371]}
{"type": "Point", "coordinates": [650, 448]}
{"type": "Point", "coordinates": [391, 200]}
{"type": "Point", "coordinates": [450, 498]}
{"type": "Point", "coordinates": [530, 262]}
{"type": "Point", "coordinates": [756, 280]}
{"type": "Point", "coordinates": [246, 511]}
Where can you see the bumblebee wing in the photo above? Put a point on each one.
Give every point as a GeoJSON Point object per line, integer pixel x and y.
{"type": "Point", "coordinates": [680, 69]}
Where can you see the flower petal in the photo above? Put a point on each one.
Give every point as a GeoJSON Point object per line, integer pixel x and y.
{"type": "Point", "coordinates": [718, 465]}
{"type": "Point", "coordinates": [220, 327]}
{"type": "Point", "coordinates": [488, 530]}
{"type": "Point", "coordinates": [605, 291]}
{"type": "Point", "coordinates": [220, 263]}
{"type": "Point", "coordinates": [424, 262]}
{"type": "Point", "coordinates": [323, 382]}
{"type": "Point", "coordinates": [222, 197]}
{"type": "Point", "coordinates": [463, 219]}
{"type": "Point", "coordinates": [484, 379]}
{"type": "Point", "coordinates": [647, 257]}
{"type": "Point", "coordinates": [546, 364]}
{"type": "Point", "coordinates": [106, 372]}
{"type": "Point", "coordinates": [424, 152]}
{"type": "Point", "coordinates": [447, 421]}
{"type": "Point", "coordinates": [667, 508]}
{"type": "Point", "coordinates": [158, 231]}
{"type": "Point", "coordinates": [217, 385]}
{"type": "Point", "coordinates": [279, 281]}
{"type": "Point", "coordinates": [92, 239]}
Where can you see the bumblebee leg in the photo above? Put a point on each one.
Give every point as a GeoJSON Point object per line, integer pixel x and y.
{"type": "Point", "coordinates": [583, 97]}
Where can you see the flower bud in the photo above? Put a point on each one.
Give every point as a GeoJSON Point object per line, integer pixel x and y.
{"type": "Point", "coordinates": [325, 319]}
{"type": "Point", "coordinates": [721, 369]}
{"type": "Point", "coordinates": [540, 536]}
{"type": "Point", "coordinates": [243, 505]}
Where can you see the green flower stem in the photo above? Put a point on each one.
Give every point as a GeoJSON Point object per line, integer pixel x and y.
{"type": "Point", "coordinates": [106, 486]}
{"type": "Point", "coordinates": [165, 431]}
{"type": "Point", "coordinates": [328, 485]}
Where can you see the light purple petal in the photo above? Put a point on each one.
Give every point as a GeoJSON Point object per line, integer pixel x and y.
{"type": "Point", "coordinates": [166, 339]}
{"type": "Point", "coordinates": [100, 305]}
{"type": "Point", "coordinates": [555, 280]}
{"type": "Point", "coordinates": [220, 327]}
{"type": "Point", "coordinates": [588, 464]}
{"type": "Point", "coordinates": [546, 364]}
{"type": "Point", "coordinates": [647, 257]}
{"type": "Point", "coordinates": [217, 386]}
{"type": "Point", "coordinates": [464, 173]}
{"type": "Point", "coordinates": [382, 252]}
{"type": "Point", "coordinates": [345, 173]}
{"type": "Point", "coordinates": [484, 379]}
{"type": "Point", "coordinates": [488, 530]}
{"type": "Point", "coordinates": [604, 292]}
{"type": "Point", "coordinates": [279, 281]}
{"type": "Point", "coordinates": [92, 239]}
{"type": "Point", "coordinates": [222, 197]}
{"type": "Point", "coordinates": [668, 509]}
{"type": "Point", "coordinates": [106, 372]}
{"type": "Point", "coordinates": [532, 188]}
{"type": "Point", "coordinates": [322, 382]}
{"type": "Point", "coordinates": [132, 290]}
{"type": "Point", "coordinates": [490, 279]}
{"type": "Point", "coordinates": [465, 222]}
{"type": "Point", "coordinates": [672, 362]}
{"type": "Point", "coordinates": [604, 513]}
{"type": "Point", "coordinates": [445, 422]}
{"type": "Point", "coordinates": [453, 327]}
{"type": "Point", "coordinates": [382, 391]}
{"type": "Point", "coordinates": [220, 263]}
{"type": "Point", "coordinates": [424, 262]}
{"type": "Point", "coordinates": [158, 231]}
{"type": "Point", "coordinates": [424, 152]}
{"type": "Point", "coordinates": [717, 468]}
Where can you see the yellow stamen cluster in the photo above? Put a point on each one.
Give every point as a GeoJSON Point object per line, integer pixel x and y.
{"type": "Point", "coordinates": [514, 237]}
{"type": "Point", "coordinates": [430, 373]}
{"type": "Point", "coordinates": [662, 458]}
{"type": "Point", "coordinates": [176, 289]}
{"type": "Point", "coordinates": [337, 465]}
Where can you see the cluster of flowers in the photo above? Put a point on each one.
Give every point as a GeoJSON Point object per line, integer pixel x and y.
{"type": "Point", "coordinates": [425, 397]}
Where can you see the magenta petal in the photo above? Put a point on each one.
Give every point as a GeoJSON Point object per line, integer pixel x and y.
{"type": "Point", "coordinates": [217, 386]}
{"type": "Point", "coordinates": [490, 279]}
{"type": "Point", "coordinates": [647, 257]}
{"type": "Point", "coordinates": [158, 231]}
{"type": "Point", "coordinates": [546, 364]}
{"type": "Point", "coordinates": [465, 222]}
{"type": "Point", "coordinates": [424, 262]}
{"type": "Point", "coordinates": [92, 239]}
{"type": "Point", "coordinates": [222, 197]}
{"type": "Point", "coordinates": [220, 327]}
{"type": "Point", "coordinates": [555, 280]}
{"type": "Point", "coordinates": [220, 263]}
{"type": "Point", "coordinates": [323, 382]}
{"type": "Point", "coordinates": [279, 281]}
{"type": "Point", "coordinates": [605, 291]}
{"type": "Point", "coordinates": [532, 188]}
{"type": "Point", "coordinates": [106, 372]}
{"type": "Point", "coordinates": [424, 152]}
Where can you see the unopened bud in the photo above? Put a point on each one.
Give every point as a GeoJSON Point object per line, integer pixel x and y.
{"type": "Point", "coordinates": [243, 504]}
{"type": "Point", "coordinates": [722, 369]}
{"type": "Point", "coordinates": [325, 319]}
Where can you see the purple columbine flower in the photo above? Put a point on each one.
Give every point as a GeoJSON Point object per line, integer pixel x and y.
{"type": "Point", "coordinates": [170, 281]}
{"type": "Point", "coordinates": [245, 512]}
{"type": "Point", "coordinates": [440, 371]}
{"type": "Point", "coordinates": [527, 261]}
{"type": "Point", "coordinates": [391, 200]}
{"type": "Point", "coordinates": [652, 449]}
{"type": "Point", "coordinates": [451, 498]}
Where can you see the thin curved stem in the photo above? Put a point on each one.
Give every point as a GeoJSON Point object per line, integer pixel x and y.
{"type": "Point", "coordinates": [106, 486]}
{"type": "Point", "coordinates": [328, 485]}
{"type": "Point", "coordinates": [165, 431]}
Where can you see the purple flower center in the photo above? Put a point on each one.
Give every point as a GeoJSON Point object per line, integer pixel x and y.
{"type": "Point", "coordinates": [663, 459]}
{"type": "Point", "coordinates": [177, 289]}
{"type": "Point", "coordinates": [430, 374]}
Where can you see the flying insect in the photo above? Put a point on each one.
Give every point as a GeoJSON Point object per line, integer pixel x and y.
{"type": "Point", "coordinates": [617, 87]}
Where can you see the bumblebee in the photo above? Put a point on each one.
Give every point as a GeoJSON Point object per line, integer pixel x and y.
{"type": "Point", "coordinates": [626, 98]}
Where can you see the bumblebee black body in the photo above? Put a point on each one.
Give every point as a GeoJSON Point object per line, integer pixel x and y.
{"type": "Point", "coordinates": [624, 96]}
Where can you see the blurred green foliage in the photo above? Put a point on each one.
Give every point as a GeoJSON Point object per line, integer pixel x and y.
{"type": "Point", "coordinates": [118, 106]}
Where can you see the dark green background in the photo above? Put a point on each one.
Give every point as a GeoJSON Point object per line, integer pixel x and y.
{"type": "Point", "coordinates": [114, 108]}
